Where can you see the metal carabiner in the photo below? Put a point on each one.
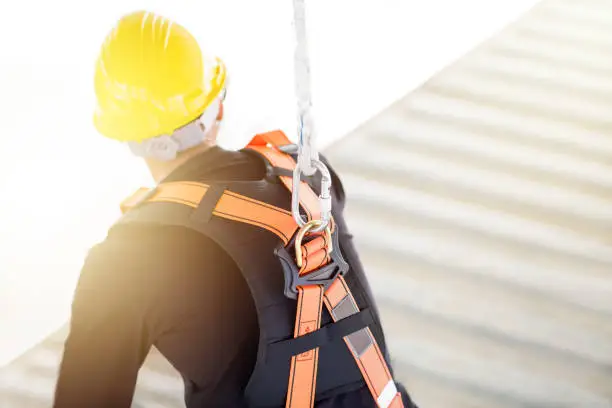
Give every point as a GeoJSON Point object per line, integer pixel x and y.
{"type": "Point", "coordinates": [325, 200]}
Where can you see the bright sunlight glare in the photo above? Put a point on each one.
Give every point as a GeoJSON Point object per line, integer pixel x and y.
{"type": "Point", "coordinates": [61, 182]}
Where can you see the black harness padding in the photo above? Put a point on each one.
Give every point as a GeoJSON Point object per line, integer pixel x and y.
{"type": "Point", "coordinates": [253, 250]}
{"type": "Point", "coordinates": [323, 336]}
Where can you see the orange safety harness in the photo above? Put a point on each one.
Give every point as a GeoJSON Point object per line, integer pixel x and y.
{"type": "Point", "coordinates": [306, 278]}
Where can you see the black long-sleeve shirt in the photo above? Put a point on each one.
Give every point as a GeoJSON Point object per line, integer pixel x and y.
{"type": "Point", "coordinates": [172, 288]}
{"type": "Point", "coordinates": [163, 286]}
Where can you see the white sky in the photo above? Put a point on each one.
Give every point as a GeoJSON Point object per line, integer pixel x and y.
{"type": "Point", "coordinates": [61, 182]}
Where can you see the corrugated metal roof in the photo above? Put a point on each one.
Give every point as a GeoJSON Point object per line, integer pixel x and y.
{"type": "Point", "coordinates": [482, 206]}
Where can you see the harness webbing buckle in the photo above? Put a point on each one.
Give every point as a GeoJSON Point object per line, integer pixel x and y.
{"type": "Point", "coordinates": [299, 238]}
{"type": "Point", "coordinates": [324, 275]}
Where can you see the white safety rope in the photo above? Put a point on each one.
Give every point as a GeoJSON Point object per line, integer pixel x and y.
{"type": "Point", "coordinates": [302, 91]}
{"type": "Point", "coordinates": [308, 157]}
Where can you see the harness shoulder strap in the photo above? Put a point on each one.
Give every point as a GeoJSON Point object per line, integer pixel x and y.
{"type": "Point", "coordinates": [303, 370]}
{"type": "Point", "coordinates": [227, 205]}
{"type": "Point", "coordinates": [340, 304]}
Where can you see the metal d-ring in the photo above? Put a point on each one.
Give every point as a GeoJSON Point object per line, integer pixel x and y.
{"type": "Point", "coordinates": [302, 233]}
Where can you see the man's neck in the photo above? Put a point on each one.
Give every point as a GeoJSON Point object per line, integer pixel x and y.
{"type": "Point", "coordinates": [161, 169]}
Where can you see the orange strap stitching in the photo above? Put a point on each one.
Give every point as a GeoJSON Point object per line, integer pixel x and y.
{"type": "Point", "coordinates": [303, 372]}
{"type": "Point", "coordinates": [240, 208]}
{"type": "Point", "coordinates": [316, 244]}
{"type": "Point", "coordinates": [314, 261]}
{"type": "Point", "coordinates": [327, 257]}
{"type": "Point", "coordinates": [314, 254]}
{"type": "Point", "coordinates": [259, 203]}
{"type": "Point", "coordinates": [305, 257]}
{"type": "Point", "coordinates": [231, 206]}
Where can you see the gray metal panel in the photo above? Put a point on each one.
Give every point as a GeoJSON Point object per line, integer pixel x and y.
{"type": "Point", "coordinates": [482, 206]}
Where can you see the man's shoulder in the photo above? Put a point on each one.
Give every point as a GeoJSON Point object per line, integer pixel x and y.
{"type": "Point", "coordinates": [139, 261]}
{"type": "Point", "coordinates": [219, 165]}
{"type": "Point", "coordinates": [149, 239]}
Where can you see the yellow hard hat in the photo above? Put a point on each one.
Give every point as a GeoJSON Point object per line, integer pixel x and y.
{"type": "Point", "coordinates": [151, 79]}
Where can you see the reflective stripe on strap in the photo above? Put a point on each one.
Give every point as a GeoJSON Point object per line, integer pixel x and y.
{"type": "Point", "coordinates": [230, 206]}
{"type": "Point", "coordinates": [363, 347]}
{"type": "Point", "coordinates": [388, 394]}
{"type": "Point", "coordinates": [303, 374]}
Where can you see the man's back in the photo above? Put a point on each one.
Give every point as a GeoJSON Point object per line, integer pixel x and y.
{"type": "Point", "coordinates": [176, 289]}
{"type": "Point", "coordinates": [169, 287]}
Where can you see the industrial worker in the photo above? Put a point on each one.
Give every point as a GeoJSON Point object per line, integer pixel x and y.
{"type": "Point", "coordinates": [195, 267]}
